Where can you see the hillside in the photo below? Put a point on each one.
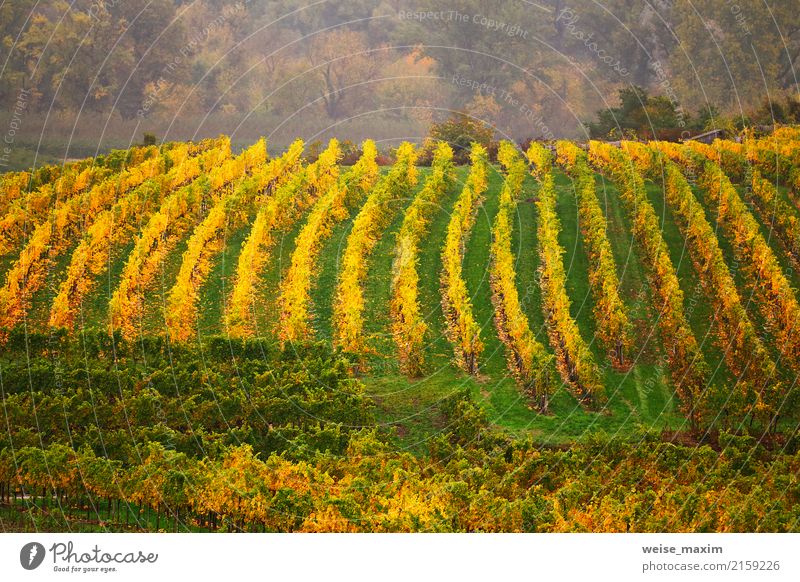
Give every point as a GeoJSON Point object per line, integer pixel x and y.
{"type": "Point", "coordinates": [191, 243]}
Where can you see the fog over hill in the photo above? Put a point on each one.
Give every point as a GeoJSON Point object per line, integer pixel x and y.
{"type": "Point", "coordinates": [103, 72]}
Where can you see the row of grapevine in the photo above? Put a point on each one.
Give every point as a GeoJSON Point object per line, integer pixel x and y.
{"type": "Point", "coordinates": [786, 133]}
{"type": "Point", "coordinates": [27, 212]}
{"type": "Point", "coordinates": [785, 167]}
{"type": "Point", "coordinates": [70, 218]}
{"type": "Point", "coordinates": [16, 186]}
{"type": "Point", "coordinates": [115, 226]}
{"type": "Point", "coordinates": [20, 200]}
{"type": "Point", "coordinates": [164, 228]}
{"type": "Point", "coordinates": [207, 239]}
{"type": "Point", "coordinates": [744, 352]}
{"type": "Point", "coordinates": [688, 368]}
{"type": "Point", "coordinates": [408, 323]}
{"type": "Point", "coordinates": [775, 212]}
{"type": "Point", "coordinates": [778, 214]}
{"type": "Point", "coordinates": [13, 186]}
{"type": "Point", "coordinates": [574, 358]}
{"type": "Point", "coordinates": [49, 239]}
{"type": "Point", "coordinates": [348, 306]}
{"type": "Point", "coordinates": [776, 158]}
{"type": "Point", "coordinates": [330, 209]}
{"type": "Point", "coordinates": [729, 155]}
{"type": "Point", "coordinates": [278, 212]}
{"type": "Point", "coordinates": [613, 326]}
{"type": "Point", "coordinates": [772, 292]}
{"type": "Point", "coordinates": [462, 329]}
{"type": "Point", "coordinates": [528, 361]}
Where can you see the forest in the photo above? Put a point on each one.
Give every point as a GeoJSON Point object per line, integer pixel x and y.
{"type": "Point", "coordinates": [104, 71]}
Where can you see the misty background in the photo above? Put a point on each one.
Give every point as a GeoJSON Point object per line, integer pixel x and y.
{"type": "Point", "coordinates": [82, 77]}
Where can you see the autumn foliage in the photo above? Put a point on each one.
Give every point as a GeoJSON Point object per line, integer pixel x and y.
{"type": "Point", "coordinates": [50, 238]}
{"type": "Point", "coordinates": [531, 365]}
{"type": "Point", "coordinates": [772, 292]}
{"type": "Point", "coordinates": [463, 330]}
{"type": "Point", "coordinates": [164, 228]}
{"type": "Point", "coordinates": [280, 470]}
{"type": "Point", "coordinates": [278, 211]}
{"type": "Point", "coordinates": [408, 322]}
{"type": "Point", "coordinates": [686, 362]}
{"type": "Point", "coordinates": [229, 212]}
{"type": "Point", "coordinates": [745, 354]}
{"type": "Point", "coordinates": [115, 226]}
{"type": "Point", "coordinates": [332, 207]}
{"type": "Point", "coordinates": [379, 207]}
{"type": "Point", "coordinates": [132, 415]}
{"type": "Point", "coordinates": [613, 326]}
{"type": "Point", "coordinates": [573, 355]}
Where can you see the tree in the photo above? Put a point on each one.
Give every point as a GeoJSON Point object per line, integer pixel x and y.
{"type": "Point", "coordinates": [343, 64]}
{"type": "Point", "coordinates": [725, 47]}
{"type": "Point", "coordinates": [460, 131]}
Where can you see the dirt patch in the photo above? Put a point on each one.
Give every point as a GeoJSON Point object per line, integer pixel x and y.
{"type": "Point", "coordinates": [401, 430]}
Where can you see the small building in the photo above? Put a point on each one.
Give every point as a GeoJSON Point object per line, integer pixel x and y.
{"type": "Point", "coordinates": [708, 136]}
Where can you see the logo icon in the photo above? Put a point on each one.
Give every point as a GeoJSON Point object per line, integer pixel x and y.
{"type": "Point", "coordinates": [31, 555]}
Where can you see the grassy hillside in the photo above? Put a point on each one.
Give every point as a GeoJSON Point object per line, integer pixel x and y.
{"type": "Point", "coordinates": [640, 396]}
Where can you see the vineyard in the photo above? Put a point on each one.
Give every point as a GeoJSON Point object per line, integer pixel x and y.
{"type": "Point", "coordinates": [186, 330]}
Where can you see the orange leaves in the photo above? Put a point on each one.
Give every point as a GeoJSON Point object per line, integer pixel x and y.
{"type": "Point", "coordinates": [408, 324]}
{"type": "Point", "coordinates": [613, 327]}
{"type": "Point", "coordinates": [541, 158]}
{"type": "Point", "coordinates": [113, 226]}
{"type": "Point", "coordinates": [294, 299]}
{"type": "Point", "coordinates": [775, 212]}
{"type": "Point", "coordinates": [206, 239]}
{"type": "Point", "coordinates": [67, 198]}
{"type": "Point", "coordinates": [775, 156]}
{"type": "Point", "coordinates": [744, 352]}
{"type": "Point", "coordinates": [50, 237]}
{"type": "Point", "coordinates": [729, 155]}
{"type": "Point", "coordinates": [278, 211]}
{"type": "Point", "coordinates": [13, 186]}
{"type": "Point", "coordinates": [241, 488]}
{"type": "Point", "coordinates": [689, 370]}
{"type": "Point", "coordinates": [527, 358]}
{"type": "Point", "coordinates": [462, 329]}
{"type": "Point", "coordinates": [575, 359]}
{"type": "Point", "coordinates": [773, 294]}
{"type": "Point", "coordinates": [30, 210]}
{"type": "Point", "coordinates": [161, 232]}
{"type": "Point", "coordinates": [348, 307]}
